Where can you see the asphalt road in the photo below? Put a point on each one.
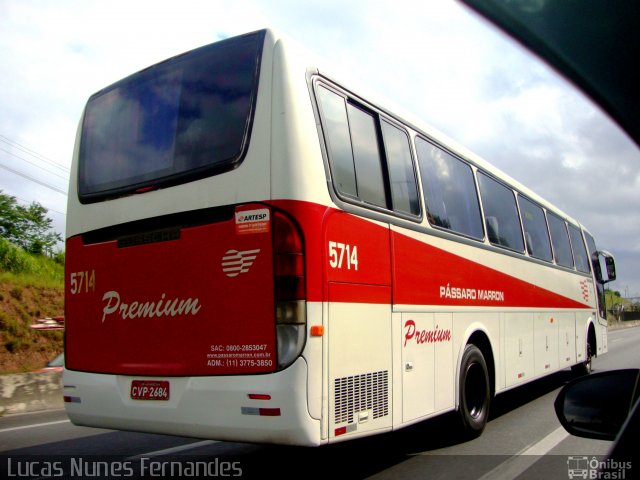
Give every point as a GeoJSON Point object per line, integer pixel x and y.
{"type": "Point", "coordinates": [522, 440]}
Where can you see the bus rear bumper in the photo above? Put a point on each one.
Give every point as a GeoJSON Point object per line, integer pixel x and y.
{"type": "Point", "coordinates": [259, 408]}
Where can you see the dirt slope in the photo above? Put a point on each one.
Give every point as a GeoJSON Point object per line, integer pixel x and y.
{"type": "Point", "coordinates": [22, 348]}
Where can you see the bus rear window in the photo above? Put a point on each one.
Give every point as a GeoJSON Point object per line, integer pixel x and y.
{"type": "Point", "coordinates": [183, 119]}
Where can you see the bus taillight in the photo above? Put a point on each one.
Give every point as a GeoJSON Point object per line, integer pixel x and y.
{"type": "Point", "coordinates": [289, 289]}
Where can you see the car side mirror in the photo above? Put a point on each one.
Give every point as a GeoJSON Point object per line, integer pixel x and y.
{"type": "Point", "coordinates": [597, 406]}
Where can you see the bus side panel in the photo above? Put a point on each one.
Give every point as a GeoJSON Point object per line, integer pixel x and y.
{"type": "Point", "coordinates": [546, 336]}
{"type": "Point", "coordinates": [519, 348]}
{"type": "Point", "coordinates": [418, 366]}
{"type": "Point", "coordinates": [359, 326]}
{"type": "Point", "coordinates": [566, 339]}
{"type": "Point", "coordinates": [444, 389]}
{"type": "Point", "coordinates": [582, 328]}
{"type": "Point", "coordinates": [602, 337]}
{"type": "Point", "coordinates": [359, 379]}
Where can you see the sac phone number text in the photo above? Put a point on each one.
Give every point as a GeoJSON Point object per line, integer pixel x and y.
{"type": "Point", "coordinates": [240, 348]}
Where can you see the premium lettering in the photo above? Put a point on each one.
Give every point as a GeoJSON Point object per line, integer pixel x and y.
{"type": "Point", "coordinates": [424, 336]}
{"type": "Point", "coordinates": [148, 309]}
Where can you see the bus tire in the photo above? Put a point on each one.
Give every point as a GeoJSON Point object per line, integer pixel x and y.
{"type": "Point", "coordinates": [586, 367]}
{"type": "Point", "coordinates": [475, 392]}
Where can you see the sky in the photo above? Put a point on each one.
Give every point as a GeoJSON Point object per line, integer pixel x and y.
{"type": "Point", "coordinates": [433, 58]}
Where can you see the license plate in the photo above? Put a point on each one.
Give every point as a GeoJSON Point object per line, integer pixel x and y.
{"type": "Point", "coordinates": [150, 390]}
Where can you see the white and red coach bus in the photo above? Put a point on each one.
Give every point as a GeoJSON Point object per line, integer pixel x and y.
{"type": "Point", "coordinates": [256, 252]}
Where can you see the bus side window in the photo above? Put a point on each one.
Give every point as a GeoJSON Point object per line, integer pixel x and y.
{"type": "Point", "coordinates": [579, 250]}
{"type": "Point", "coordinates": [450, 194]}
{"type": "Point", "coordinates": [500, 210]}
{"type": "Point", "coordinates": [336, 129]}
{"type": "Point", "coordinates": [535, 230]}
{"type": "Point", "coordinates": [560, 240]}
{"type": "Point", "coordinates": [402, 177]}
{"type": "Point", "coordinates": [366, 156]}
{"type": "Point", "coordinates": [353, 148]}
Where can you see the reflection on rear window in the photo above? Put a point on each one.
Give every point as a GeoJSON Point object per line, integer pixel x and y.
{"type": "Point", "coordinates": [182, 119]}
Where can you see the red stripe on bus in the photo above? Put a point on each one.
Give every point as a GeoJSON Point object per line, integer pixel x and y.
{"type": "Point", "coordinates": [426, 275]}
{"type": "Point", "coordinates": [423, 274]}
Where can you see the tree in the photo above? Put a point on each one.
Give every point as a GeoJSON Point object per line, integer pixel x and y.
{"type": "Point", "coordinates": [28, 227]}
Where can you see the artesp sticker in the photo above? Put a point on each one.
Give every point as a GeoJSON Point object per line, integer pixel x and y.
{"type": "Point", "coordinates": [253, 221]}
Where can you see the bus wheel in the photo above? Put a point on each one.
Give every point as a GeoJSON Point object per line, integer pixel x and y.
{"type": "Point", "coordinates": [585, 367]}
{"type": "Point", "coordinates": [474, 392]}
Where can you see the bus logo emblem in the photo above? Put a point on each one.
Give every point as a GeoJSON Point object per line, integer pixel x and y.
{"type": "Point", "coordinates": [234, 262]}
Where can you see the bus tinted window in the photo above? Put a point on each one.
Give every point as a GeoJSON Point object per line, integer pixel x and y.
{"type": "Point", "coordinates": [334, 121]}
{"type": "Point", "coordinates": [579, 250]}
{"type": "Point", "coordinates": [560, 239]}
{"type": "Point", "coordinates": [450, 192]}
{"type": "Point", "coordinates": [536, 234]}
{"type": "Point", "coordinates": [366, 156]}
{"type": "Point", "coordinates": [404, 192]}
{"type": "Point", "coordinates": [170, 123]}
{"type": "Point", "coordinates": [500, 214]}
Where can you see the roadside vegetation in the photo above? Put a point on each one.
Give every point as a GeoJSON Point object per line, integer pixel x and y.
{"type": "Point", "coordinates": [31, 286]}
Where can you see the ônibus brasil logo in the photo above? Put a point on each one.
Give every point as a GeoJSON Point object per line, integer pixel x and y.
{"type": "Point", "coordinates": [234, 262]}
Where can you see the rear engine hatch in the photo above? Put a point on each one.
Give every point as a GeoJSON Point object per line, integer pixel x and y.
{"type": "Point", "coordinates": [194, 300]}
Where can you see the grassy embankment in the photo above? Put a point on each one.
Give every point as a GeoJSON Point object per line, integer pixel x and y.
{"type": "Point", "coordinates": [31, 287]}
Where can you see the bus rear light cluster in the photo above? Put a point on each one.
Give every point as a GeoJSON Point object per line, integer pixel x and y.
{"type": "Point", "coordinates": [262, 412]}
{"type": "Point", "coordinates": [288, 260]}
{"type": "Point", "coordinates": [289, 289]}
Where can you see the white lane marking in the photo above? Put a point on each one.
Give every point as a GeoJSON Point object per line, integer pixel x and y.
{"type": "Point", "coordinates": [35, 425]}
{"type": "Point", "coordinates": [526, 457]}
{"type": "Point", "coordinates": [179, 448]}
{"type": "Point", "coordinates": [156, 453]}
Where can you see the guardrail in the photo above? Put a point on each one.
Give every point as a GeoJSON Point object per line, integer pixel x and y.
{"type": "Point", "coordinates": [30, 392]}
